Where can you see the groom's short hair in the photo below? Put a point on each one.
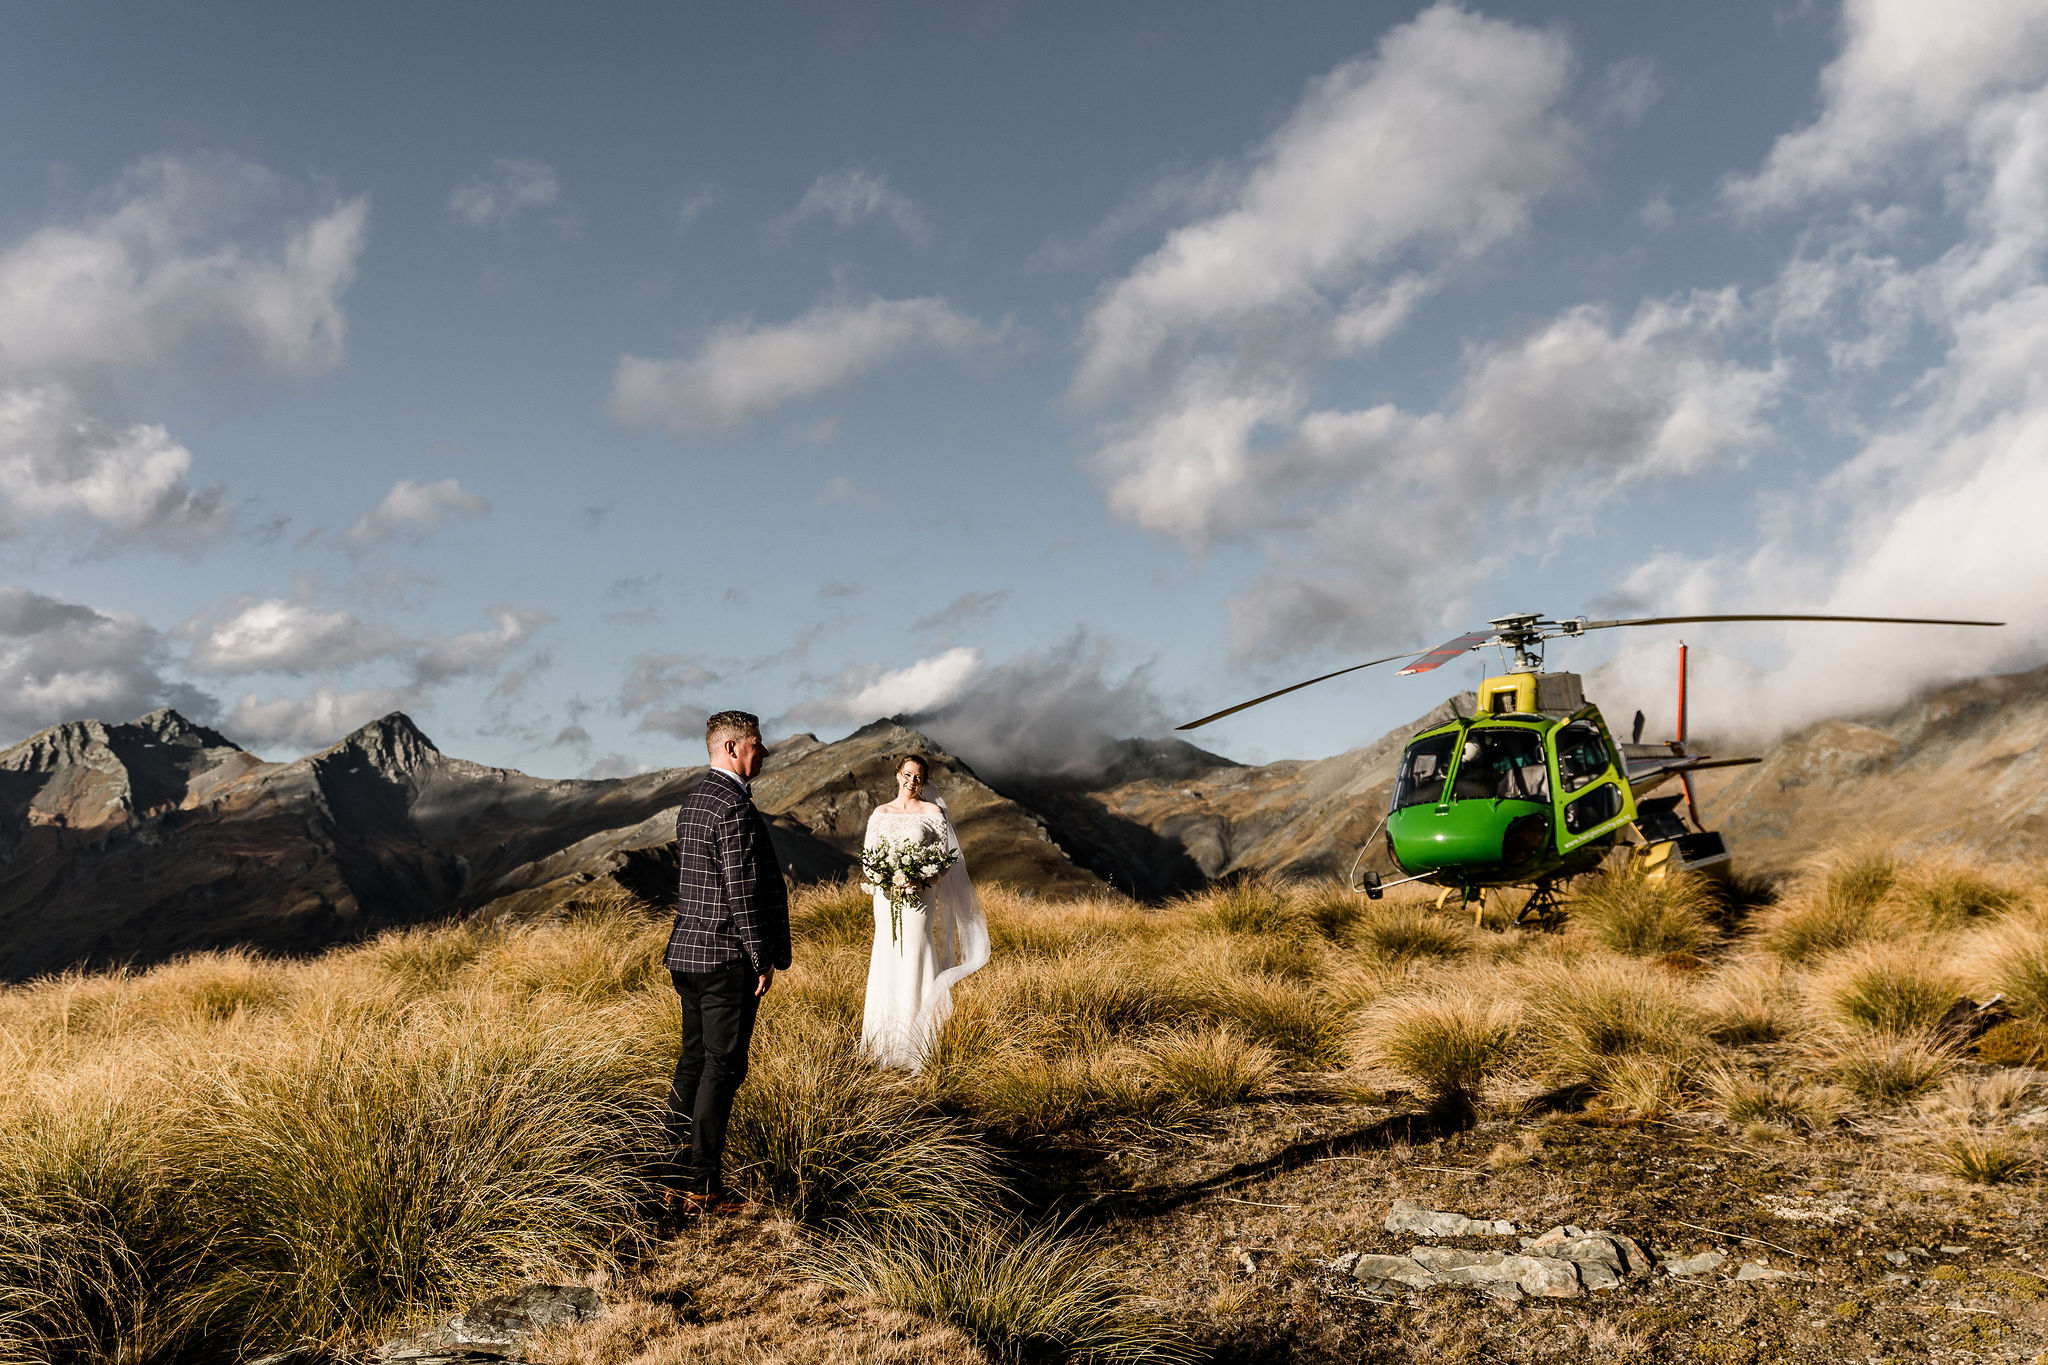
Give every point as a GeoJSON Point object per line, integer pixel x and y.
{"type": "Point", "coordinates": [735, 724]}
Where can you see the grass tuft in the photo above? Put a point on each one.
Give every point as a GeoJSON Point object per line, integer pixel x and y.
{"type": "Point", "coordinates": [376, 1173]}
{"type": "Point", "coordinates": [1746, 1097]}
{"type": "Point", "coordinates": [1588, 1015]}
{"type": "Point", "coordinates": [1885, 1068]}
{"type": "Point", "coordinates": [1629, 913]}
{"type": "Point", "coordinates": [1447, 1043]}
{"type": "Point", "coordinates": [1890, 987]}
{"type": "Point", "coordinates": [1021, 1295]}
{"type": "Point", "coordinates": [1398, 932]}
{"type": "Point", "coordinates": [1986, 1161]}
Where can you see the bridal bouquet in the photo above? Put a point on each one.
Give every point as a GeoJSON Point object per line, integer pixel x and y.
{"type": "Point", "coordinates": [900, 869]}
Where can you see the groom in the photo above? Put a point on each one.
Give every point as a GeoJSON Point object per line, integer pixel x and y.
{"type": "Point", "coordinates": [731, 934]}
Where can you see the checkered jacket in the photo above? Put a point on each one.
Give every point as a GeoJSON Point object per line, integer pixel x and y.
{"type": "Point", "coordinates": [732, 905]}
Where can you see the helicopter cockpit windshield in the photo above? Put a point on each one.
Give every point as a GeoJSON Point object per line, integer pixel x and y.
{"type": "Point", "coordinates": [1423, 769]}
{"type": "Point", "coordinates": [1503, 764]}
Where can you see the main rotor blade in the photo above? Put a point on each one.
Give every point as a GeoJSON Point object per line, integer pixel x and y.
{"type": "Point", "coordinates": [1874, 620]}
{"type": "Point", "coordinates": [1447, 651]}
{"type": "Point", "coordinates": [1246, 705]}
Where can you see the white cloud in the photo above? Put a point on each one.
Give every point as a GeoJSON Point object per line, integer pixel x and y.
{"type": "Point", "coordinates": [513, 186]}
{"type": "Point", "coordinates": [923, 686]}
{"type": "Point", "coordinates": [745, 372]}
{"type": "Point", "coordinates": [1936, 513]}
{"type": "Point", "coordinates": [182, 263]}
{"type": "Point", "coordinates": [313, 721]}
{"type": "Point", "coordinates": [1907, 71]}
{"type": "Point", "coordinates": [851, 196]}
{"type": "Point", "coordinates": [1354, 508]}
{"type": "Point", "coordinates": [1047, 711]}
{"type": "Point", "coordinates": [478, 651]}
{"type": "Point", "coordinates": [1393, 172]}
{"type": "Point", "coordinates": [274, 635]}
{"type": "Point", "coordinates": [685, 209]}
{"type": "Point", "coordinates": [1437, 145]}
{"type": "Point", "coordinates": [61, 469]}
{"type": "Point", "coordinates": [62, 661]}
{"type": "Point", "coordinates": [416, 509]}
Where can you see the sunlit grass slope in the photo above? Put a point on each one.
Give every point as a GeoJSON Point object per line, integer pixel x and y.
{"type": "Point", "coordinates": [227, 1154]}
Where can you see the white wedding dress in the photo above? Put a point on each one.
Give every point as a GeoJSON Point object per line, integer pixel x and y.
{"type": "Point", "coordinates": [910, 980]}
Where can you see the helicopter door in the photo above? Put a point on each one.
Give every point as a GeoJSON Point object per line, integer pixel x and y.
{"type": "Point", "coordinates": [1588, 785]}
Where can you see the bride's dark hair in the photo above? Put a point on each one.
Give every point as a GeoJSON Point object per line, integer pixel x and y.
{"type": "Point", "coordinates": [924, 765]}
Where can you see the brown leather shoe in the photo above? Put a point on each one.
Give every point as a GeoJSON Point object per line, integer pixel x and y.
{"type": "Point", "coordinates": [715, 1204]}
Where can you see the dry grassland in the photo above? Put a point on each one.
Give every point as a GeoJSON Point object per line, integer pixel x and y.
{"type": "Point", "coordinates": [1142, 1135]}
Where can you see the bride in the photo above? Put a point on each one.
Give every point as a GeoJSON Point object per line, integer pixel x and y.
{"type": "Point", "coordinates": [943, 937]}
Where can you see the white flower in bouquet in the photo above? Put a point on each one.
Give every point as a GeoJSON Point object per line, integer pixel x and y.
{"type": "Point", "coordinates": [903, 868]}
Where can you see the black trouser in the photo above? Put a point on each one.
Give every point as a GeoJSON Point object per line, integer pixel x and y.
{"type": "Point", "coordinates": [718, 1021]}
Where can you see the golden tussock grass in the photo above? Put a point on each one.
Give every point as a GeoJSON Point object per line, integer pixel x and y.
{"type": "Point", "coordinates": [231, 1154]}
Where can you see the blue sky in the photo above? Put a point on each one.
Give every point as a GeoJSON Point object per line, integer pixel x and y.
{"type": "Point", "coordinates": [1055, 371]}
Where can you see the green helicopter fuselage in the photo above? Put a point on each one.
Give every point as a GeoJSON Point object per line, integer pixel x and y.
{"type": "Point", "coordinates": [1508, 798]}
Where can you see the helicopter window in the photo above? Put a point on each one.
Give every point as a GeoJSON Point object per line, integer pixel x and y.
{"type": "Point", "coordinates": [1596, 807]}
{"type": "Point", "coordinates": [1581, 755]}
{"type": "Point", "coordinates": [1504, 763]}
{"type": "Point", "coordinates": [1422, 771]}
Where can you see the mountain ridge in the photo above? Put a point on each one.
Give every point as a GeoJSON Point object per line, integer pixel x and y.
{"type": "Point", "coordinates": [135, 841]}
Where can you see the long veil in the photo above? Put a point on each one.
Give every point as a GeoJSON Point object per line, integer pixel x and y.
{"type": "Point", "coordinates": [959, 929]}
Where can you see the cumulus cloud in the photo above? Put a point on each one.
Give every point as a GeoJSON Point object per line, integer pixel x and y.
{"type": "Point", "coordinates": [62, 661]}
{"type": "Point", "coordinates": [184, 261]}
{"type": "Point", "coordinates": [313, 721]}
{"type": "Point", "coordinates": [1436, 147]}
{"type": "Point", "coordinates": [276, 635]}
{"type": "Point", "coordinates": [1934, 513]}
{"type": "Point", "coordinates": [1043, 711]}
{"type": "Point", "coordinates": [415, 509]}
{"type": "Point", "coordinates": [1355, 507]}
{"type": "Point", "coordinates": [745, 372]}
{"type": "Point", "coordinates": [480, 651]}
{"type": "Point", "coordinates": [1907, 72]}
{"type": "Point", "coordinates": [1391, 175]}
{"type": "Point", "coordinates": [63, 470]}
{"type": "Point", "coordinates": [512, 187]}
{"type": "Point", "coordinates": [851, 196]}
{"type": "Point", "coordinates": [664, 691]}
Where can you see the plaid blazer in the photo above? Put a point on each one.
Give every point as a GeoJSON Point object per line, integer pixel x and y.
{"type": "Point", "coordinates": [732, 905]}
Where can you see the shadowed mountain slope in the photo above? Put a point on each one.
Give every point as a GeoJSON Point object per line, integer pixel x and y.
{"type": "Point", "coordinates": [132, 843]}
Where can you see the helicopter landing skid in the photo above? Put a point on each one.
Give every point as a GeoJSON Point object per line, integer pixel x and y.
{"type": "Point", "coordinates": [1544, 907]}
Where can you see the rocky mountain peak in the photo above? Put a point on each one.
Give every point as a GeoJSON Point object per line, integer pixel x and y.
{"type": "Point", "coordinates": [166, 726]}
{"type": "Point", "coordinates": [392, 745]}
{"type": "Point", "coordinates": [74, 744]}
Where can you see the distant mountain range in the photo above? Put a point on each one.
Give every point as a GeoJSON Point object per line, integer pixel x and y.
{"type": "Point", "coordinates": [138, 841]}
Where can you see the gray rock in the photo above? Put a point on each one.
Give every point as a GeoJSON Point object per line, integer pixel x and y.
{"type": "Point", "coordinates": [1897, 1257]}
{"type": "Point", "coordinates": [1399, 1269]}
{"type": "Point", "coordinates": [1953, 1251]}
{"type": "Point", "coordinates": [507, 1318]}
{"type": "Point", "coordinates": [1410, 1217]}
{"type": "Point", "coordinates": [1547, 1276]}
{"type": "Point", "coordinates": [1757, 1270]}
{"type": "Point", "coordinates": [1704, 1263]}
{"type": "Point", "coordinates": [1596, 1275]}
{"type": "Point", "coordinates": [1617, 1251]}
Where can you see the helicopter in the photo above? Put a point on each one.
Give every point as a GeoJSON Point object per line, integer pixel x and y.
{"type": "Point", "coordinates": [1532, 789]}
